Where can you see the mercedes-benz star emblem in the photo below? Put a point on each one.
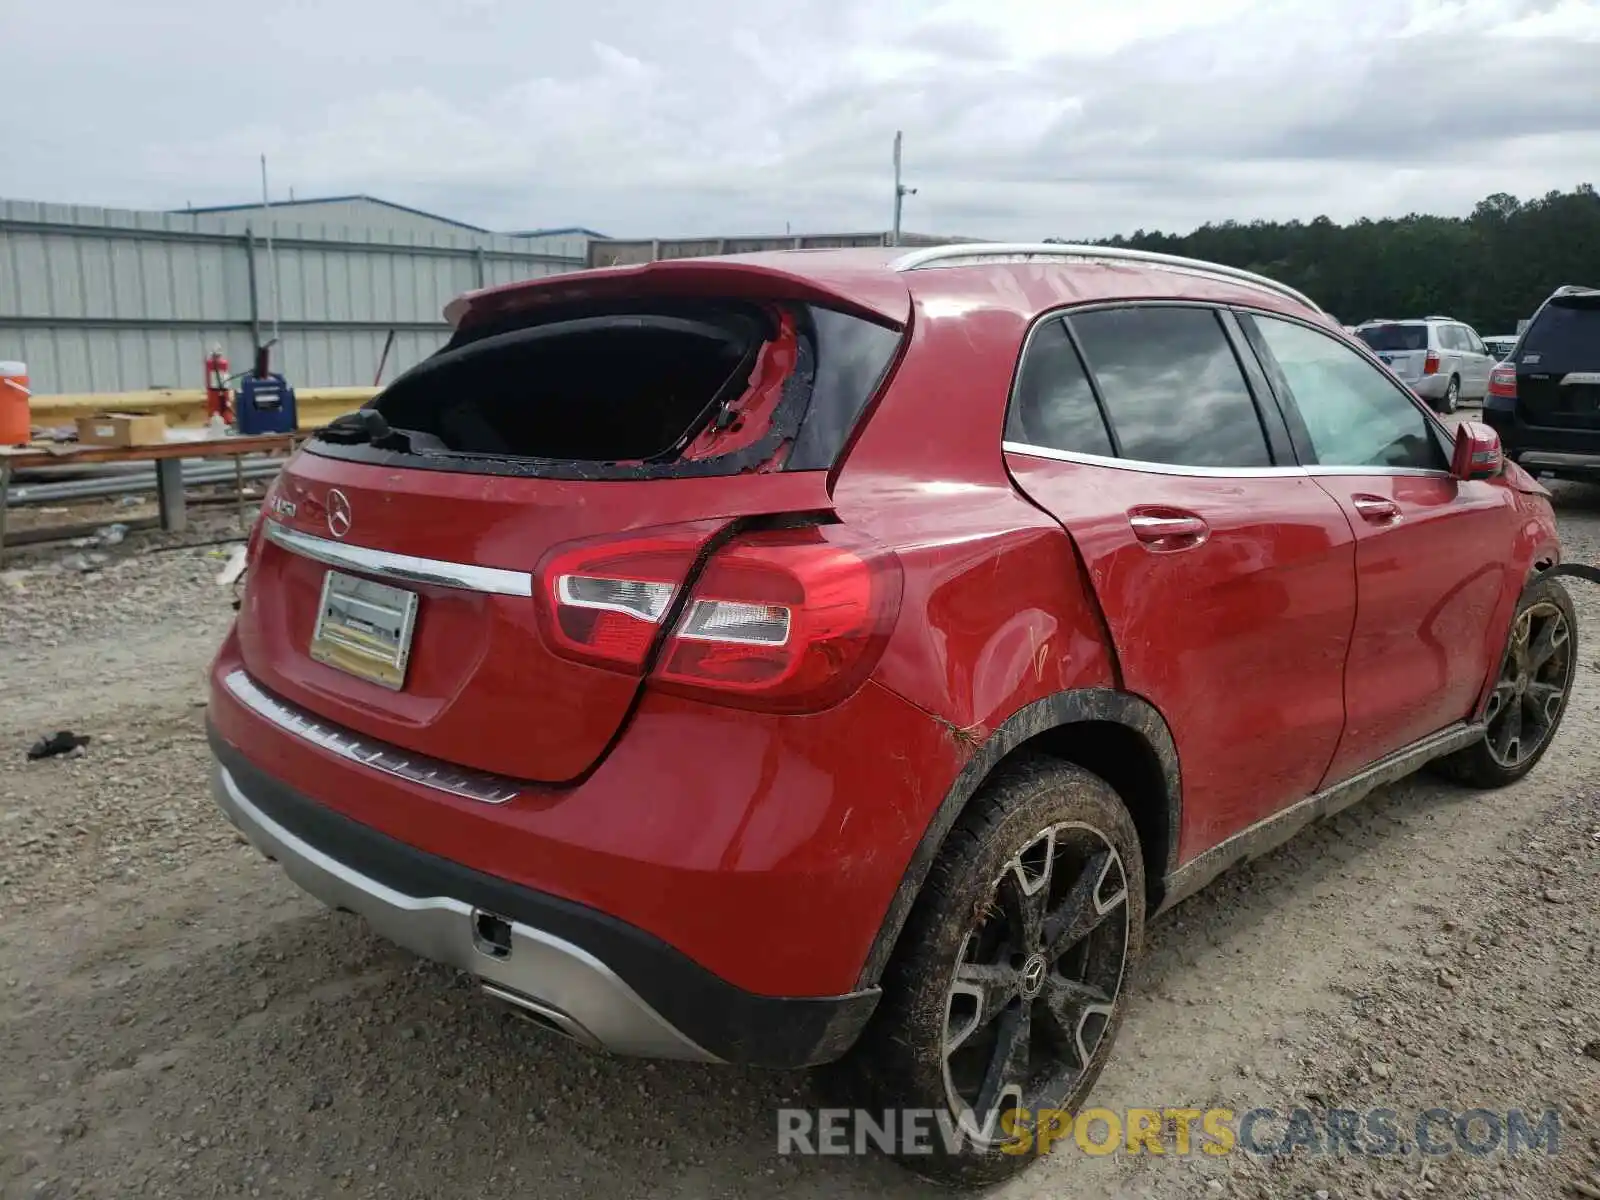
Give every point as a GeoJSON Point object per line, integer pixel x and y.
{"type": "Point", "coordinates": [338, 513]}
{"type": "Point", "coordinates": [1033, 976]}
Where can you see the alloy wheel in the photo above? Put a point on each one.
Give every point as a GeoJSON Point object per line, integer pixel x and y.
{"type": "Point", "coordinates": [1532, 687]}
{"type": "Point", "coordinates": [1038, 976]}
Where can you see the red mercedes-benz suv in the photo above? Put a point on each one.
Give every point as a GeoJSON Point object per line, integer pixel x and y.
{"type": "Point", "coordinates": [840, 655]}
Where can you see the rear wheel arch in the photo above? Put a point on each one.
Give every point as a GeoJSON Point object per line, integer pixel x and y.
{"type": "Point", "coordinates": [1116, 735]}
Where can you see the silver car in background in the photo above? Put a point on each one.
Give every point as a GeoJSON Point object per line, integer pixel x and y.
{"type": "Point", "coordinates": [1440, 359]}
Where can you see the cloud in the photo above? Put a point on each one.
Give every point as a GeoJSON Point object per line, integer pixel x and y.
{"type": "Point", "coordinates": [1023, 118]}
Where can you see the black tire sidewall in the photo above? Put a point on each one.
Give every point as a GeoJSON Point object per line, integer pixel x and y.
{"type": "Point", "coordinates": [900, 1057]}
{"type": "Point", "coordinates": [1474, 766]}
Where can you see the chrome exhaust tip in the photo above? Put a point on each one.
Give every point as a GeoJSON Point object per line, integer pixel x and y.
{"type": "Point", "coordinates": [544, 1016]}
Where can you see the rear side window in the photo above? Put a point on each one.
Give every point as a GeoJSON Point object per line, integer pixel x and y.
{"type": "Point", "coordinates": [1386, 339]}
{"type": "Point", "coordinates": [852, 357]}
{"type": "Point", "coordinates": [1054, 406]}
{"type": "Point", "coordinates": [1172, 387]}
{"type": "Point", "coordinates": [1565, 336]}
{"type": "Point", "coordinates": [1354, 415]}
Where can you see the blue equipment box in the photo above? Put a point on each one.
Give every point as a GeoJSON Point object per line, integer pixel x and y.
{"type": "Point", "coordinates": [265, 404]}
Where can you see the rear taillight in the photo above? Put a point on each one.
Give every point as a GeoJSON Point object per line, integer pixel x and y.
{"type": "Point", "coordinates": [785, 621]}
{"type": "Point", "coordinates": [781, 620]}
{"type": "Point", "coordinates": [1430, 365]}
{"type": "Point", "coordinates": [603, 602]}
{"type": "Point", "coordinates": [1503, 383]}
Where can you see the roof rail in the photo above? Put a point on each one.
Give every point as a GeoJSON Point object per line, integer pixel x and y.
{"type": "Point", "coordinates": [1437, 317]}
{"type": "Point", "coordinates": [963, 254]}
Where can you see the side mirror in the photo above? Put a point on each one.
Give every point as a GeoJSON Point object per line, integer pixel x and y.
{"type": "Point", "coordinates": [1477, 453]}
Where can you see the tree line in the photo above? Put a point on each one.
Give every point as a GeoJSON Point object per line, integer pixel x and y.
{"type": "Point", "coordinates": [1490, 269]}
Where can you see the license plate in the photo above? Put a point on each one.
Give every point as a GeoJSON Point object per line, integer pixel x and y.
{"type": "Point", "coordinates": [364, 628]}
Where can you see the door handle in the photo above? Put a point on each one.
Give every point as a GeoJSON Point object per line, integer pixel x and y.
{"type": "Point", "coordinates": [1168, 529]}
{"type": "Point", "coordinates": [1376, 509]}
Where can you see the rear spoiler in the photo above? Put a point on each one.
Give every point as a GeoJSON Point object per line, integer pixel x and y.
{"type": "Point", "coordinates": [863, 289]}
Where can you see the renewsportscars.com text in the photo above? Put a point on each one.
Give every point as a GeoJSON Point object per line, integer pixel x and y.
{"type": "Point", "coordinates": [1264, 1132]}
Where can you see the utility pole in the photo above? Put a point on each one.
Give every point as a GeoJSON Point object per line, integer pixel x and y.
{"type": "Point", "coordinates": [901, 191]}
{"type": "Point", "coordinates": [272, 261]}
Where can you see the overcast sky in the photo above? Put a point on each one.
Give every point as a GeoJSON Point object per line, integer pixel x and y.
{"type": "Point", "coordinates": [1023, 118]}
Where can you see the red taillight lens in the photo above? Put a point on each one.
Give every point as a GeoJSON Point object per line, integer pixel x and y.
{"type": "Point", "coordinates": [1503, 382]}
{"type": "Point", "coordinates": [1430, 365]}
{"type": "Point", "coordinates": [603, 602]}
{"type": "Point", "coordinates": [785, 621]}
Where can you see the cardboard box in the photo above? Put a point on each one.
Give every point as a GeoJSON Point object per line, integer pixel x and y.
{"type": "Point", "coordinates": [122, 429]}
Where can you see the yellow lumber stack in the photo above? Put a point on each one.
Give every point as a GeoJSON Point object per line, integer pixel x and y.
{"type": "Point", "coordinates": [185, 407]}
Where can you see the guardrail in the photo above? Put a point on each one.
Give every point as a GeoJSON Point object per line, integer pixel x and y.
{"type": "Point", "coordinates": [186, 408]}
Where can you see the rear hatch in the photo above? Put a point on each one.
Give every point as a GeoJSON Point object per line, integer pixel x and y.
{"type": "Point", "coordinates": [441, 570]}
{"type": "Point", "coordinates": [1558, 363]}
{"type": "Point", "coordinates": [1402, 345]}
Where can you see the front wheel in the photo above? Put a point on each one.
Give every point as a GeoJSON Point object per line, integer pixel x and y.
{"type": "Point", "coordinates": [1005, 997]}
{"type": "Point", "coordinates": [1530, 691]}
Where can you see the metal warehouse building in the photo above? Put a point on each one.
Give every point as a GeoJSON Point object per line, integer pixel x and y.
{"type": "Point", "coordinates": [108, 300]}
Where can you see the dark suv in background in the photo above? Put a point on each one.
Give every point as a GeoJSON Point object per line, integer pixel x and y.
{"type": "Point", "coordinates": [1544, 400]}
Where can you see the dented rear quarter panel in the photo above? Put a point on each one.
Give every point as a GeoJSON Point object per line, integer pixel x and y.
{"type": "Point", "coordinates": [995, 613]}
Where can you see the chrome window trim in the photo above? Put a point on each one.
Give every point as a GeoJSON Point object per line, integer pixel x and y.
{"type": "Point", "coordinates": [457, 781]}
{"type": "Point", "coordinates": [385, 564]}
{"type": "Point", "coordinates": [1131, 464]}
{"type": "Point", "coordinates": [1420, 472]}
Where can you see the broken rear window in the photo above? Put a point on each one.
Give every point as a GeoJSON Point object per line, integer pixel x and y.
{"type": "Point", "coordinates": [665, 390]}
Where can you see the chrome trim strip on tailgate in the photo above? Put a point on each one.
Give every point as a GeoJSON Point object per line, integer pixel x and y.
{"type": "Point", "coordinates": [404, 567]}
{"type": "Point", "coordinates": [429, 772]}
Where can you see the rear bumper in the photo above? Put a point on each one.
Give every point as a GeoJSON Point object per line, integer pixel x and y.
{"type": "Point", "coordinates": [1558, 463]}
{"type": "Point", "coordinates": [581, 972]}
{"type": "Point", "coordinates": [1430, 387]}
{"type": "Point", "coordinates": [1572, 452]}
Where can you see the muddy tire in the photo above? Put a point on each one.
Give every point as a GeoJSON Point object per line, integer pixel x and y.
{"type": "Point", "coordinates": [1531, 691]}
{"type": "Point", "coordinates": [1009, 981]}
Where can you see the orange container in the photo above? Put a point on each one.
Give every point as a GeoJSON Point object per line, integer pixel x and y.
{"type": "Point", "coordinates": [15, 425]}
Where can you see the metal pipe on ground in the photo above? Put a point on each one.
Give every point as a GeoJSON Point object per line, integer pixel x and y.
{"type": "Point", "coordinates": [67, 533]}
{"type": "Point", "coordinates": [197, 475]}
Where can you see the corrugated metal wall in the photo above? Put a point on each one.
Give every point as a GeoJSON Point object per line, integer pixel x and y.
{"type": "Point", "coordinates": [97, 300]}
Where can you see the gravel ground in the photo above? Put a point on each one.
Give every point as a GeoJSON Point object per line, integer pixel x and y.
{"type": "Point", "coordinates": [177, 1020]}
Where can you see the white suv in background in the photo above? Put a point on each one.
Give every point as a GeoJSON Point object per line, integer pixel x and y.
{"type": "Point", "coordinates": [1501, 345]}
{"type": "Point", "coordinates": [1441, 360]}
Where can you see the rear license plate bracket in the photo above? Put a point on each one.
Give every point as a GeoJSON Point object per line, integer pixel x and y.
{"type": "Point", "coordinates": [364, 628]}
